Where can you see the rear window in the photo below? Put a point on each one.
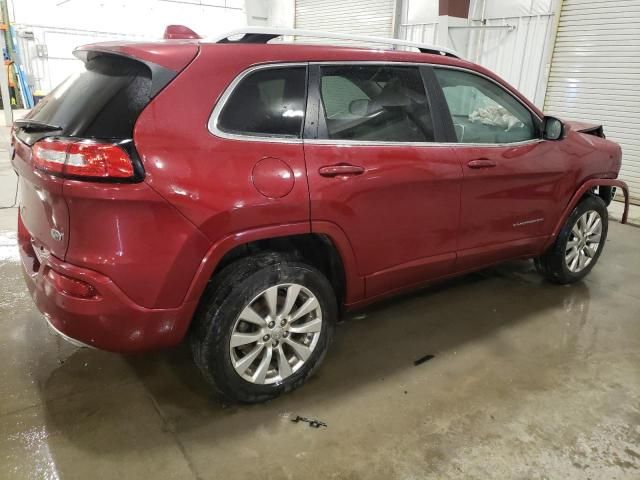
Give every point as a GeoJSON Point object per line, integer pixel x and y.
{"type": "Point", "coordinates": [104, 101]}
{"type": "Point", "coordinates": [268, 102]}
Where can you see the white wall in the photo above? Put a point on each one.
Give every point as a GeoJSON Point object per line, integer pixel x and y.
{"type": "Point", "coordinates": [273, 13]}
{"type": "Point", "coordinates": [61, 25]}
{"type": "Point", "coordinates": [132, 17]}
{"type": "Point", "coordinates": [419, 21]}
{"type": "Point", "coordinates": [519, 54]}
{"type": "Point", "coordinates": [417, 11]}
{"type": "Point", "coordinates": [513, 38]}
{"type": "Point", "coordinates": [510, 8]}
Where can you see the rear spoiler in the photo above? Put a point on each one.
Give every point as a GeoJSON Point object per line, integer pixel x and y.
{"type": "Point", "coordinates": [164, 61]}
{"type": "Point", "coordinates": [173, 55]}
{"type": "Point", "coordinates": [173, 32]}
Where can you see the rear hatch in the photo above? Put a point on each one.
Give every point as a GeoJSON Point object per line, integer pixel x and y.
{"type": "Point", "coordinates": [83, 131]}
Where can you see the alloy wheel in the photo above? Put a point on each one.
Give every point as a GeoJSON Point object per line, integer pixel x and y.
{"type": "Point", "coordinates": [275, 334]}
{"type": "Point", "coordinates": [584, 241]}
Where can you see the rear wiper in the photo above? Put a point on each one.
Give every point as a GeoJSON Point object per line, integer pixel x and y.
{"type": "Point", "coordinates": [35, 125]}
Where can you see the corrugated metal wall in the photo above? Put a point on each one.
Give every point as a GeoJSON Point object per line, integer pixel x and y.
{"type": "Point", "coordinates": [357, 17]}
{"type": "Point", "coordinates": [595, 74]}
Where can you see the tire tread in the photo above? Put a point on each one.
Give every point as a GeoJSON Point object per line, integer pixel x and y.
{"type": "Point", "coordinates": [207, 332]}
{"type": "Point", "coordinates": [551, 264]}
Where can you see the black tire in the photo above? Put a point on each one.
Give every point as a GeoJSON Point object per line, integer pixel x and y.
{"type": "Point", "coordinates": [552, 264]}
{"type": "Point", "coordinates": [228, 294]}
{"type": "Point", "coordinates": [606, 194]}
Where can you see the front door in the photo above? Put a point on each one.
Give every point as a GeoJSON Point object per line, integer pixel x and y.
{"type": "Point", "coordinates": [511, 178]}
{"type": "Point", "coordinates": [375, 171]}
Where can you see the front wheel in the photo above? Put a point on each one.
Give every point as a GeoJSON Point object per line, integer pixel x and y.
{"type": "Point", "coordinates": [263, 327]}
{"type": "Point", "coordinates": [578, 245]}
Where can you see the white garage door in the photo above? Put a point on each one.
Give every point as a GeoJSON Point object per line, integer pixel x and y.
{"type": "Point", "coordinates": [357, 17]}
{"type": "Point", "coordinates": [595, 74]}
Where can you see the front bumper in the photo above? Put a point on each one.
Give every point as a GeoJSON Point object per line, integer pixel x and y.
{"type": "Point", "coordinates": [110, 320]}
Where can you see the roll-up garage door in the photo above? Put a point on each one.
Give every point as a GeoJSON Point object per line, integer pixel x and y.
{"type": "Point", "coordinates": [356, 17]}
{"type": "Point", "coordinates": [595, 74]}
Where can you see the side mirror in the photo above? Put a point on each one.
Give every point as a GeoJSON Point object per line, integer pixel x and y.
{"type": "Point", "coordinates": [359, 107]}
{"type": "Point", "coordinates": [552, 128]}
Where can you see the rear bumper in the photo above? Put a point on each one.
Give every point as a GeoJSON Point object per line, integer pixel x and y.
{"type": "Point", "coordinates": [110, 320]}
{"type": "Point", "coordinates": [72, 341]}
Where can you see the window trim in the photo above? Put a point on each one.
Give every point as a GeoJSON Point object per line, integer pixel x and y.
{"type": "Point", "coordinates": [212, 124]}
{"type": "Point", "coordinates": [313, 96]}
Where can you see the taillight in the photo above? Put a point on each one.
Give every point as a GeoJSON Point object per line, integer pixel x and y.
{"type": "Point", "coordinates": [82, 158]}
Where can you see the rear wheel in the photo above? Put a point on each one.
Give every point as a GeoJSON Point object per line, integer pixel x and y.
{"type": "Point", "coordinates": [606, 194]}
{"type": "Point", "coordinates": [263, 327]}
{"type": "Point", "coordinates": [579, 244]}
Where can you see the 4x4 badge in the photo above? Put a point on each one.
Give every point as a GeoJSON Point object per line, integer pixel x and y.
{"type": "Point", "coordinates": [56, 234]}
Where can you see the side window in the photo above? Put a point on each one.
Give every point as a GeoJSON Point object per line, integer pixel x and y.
{"type": "Point", "coordinates": [375, 103]}
{"type": "Point", "coordinates": [268, 102]}
{"type": "Point", "coordinates": [483, 112]}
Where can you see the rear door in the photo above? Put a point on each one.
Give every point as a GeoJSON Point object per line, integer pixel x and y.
{"type": "Point", "coordinates": [376, 171]}
{"type": "Point", "coordinates": [512, 178]}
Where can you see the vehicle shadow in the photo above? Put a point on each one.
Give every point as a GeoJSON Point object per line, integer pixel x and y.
{"type": "Point", "coordinates": [369, 346]}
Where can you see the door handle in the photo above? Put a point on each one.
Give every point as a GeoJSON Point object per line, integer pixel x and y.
{"type": "Point", "coordinates": [481, 163]}
{"type": "Point", "coordinates": [339, 170]}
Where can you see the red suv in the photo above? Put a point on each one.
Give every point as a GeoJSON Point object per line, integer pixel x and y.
{"type": "Point", "coordinates": [244, 194]}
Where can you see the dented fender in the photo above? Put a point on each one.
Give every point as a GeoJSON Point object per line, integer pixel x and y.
{"type": "Point", "coordinates": [584, 188]}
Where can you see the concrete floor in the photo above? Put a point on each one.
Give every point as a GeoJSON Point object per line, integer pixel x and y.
{"type": "Point", "coordinates": [529, 380]}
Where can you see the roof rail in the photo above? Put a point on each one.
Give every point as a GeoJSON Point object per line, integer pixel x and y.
{"type": "Point", "coordinates": [264, 34]}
